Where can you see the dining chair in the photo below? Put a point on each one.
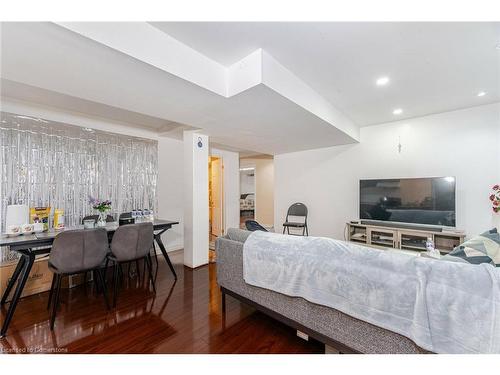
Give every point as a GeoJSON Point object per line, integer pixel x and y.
{"type": "Point", "coordinates": [131, 243]}
{"type": "Point", "coordinates": [75, 252]}
{"type": "Point", "coordinates": [296, 210]}
{"type": "Point", "coordinates": [109, 219]}
{"type": "Point", "coordinates": [126, 218]}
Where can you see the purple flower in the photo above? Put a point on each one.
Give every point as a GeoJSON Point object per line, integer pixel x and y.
{"type": "Point", "coordinates": [97, 204]}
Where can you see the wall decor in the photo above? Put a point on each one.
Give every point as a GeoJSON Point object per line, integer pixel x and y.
{"type": "Point", "coordinates": [47, 163]}
{"type": "Point", "coordinates": [495, 198]}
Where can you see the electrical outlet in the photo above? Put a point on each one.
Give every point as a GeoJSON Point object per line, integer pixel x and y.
{"type": "Point", "coordinates": [302, 335]}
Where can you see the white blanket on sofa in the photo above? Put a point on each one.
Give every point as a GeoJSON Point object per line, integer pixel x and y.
{"type": "Point", "coordinates": [444, 307]}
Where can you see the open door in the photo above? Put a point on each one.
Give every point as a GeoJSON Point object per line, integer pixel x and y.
{"type": "Point", "coordinates": [216, 198]}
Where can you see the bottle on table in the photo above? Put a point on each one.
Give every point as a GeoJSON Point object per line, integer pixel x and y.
{"type": "Point", "coordinates": [431, 249]}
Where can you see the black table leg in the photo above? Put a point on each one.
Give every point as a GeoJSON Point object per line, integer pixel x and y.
{"type": "Point", "coordinates": [13, 279]}
{"type": "Point", "coordinates": [29, 259]}
{"type": "Point", "coordinates": [164, 252]}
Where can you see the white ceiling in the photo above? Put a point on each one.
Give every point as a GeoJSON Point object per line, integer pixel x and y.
{"type": "Point", "coordinates": [48, 57]}
{"type": "Point", "coordinates": [31, 94]}
{"type": "Point", "coordinates": [434, 67]}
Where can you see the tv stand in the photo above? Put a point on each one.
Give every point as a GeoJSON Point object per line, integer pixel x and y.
{"type": "Point", "coordinates": [402, 237]}
{"type": "Point", "coordinates": [402, 226]}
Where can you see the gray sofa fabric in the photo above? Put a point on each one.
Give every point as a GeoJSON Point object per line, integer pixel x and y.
{"type": "Point", "coordinates": [238, 235]}
{"type": "Point", "coordinates": [353, 333]}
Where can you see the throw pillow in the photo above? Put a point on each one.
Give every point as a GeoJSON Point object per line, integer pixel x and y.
{"type": "Point", "coordinates": [484, 248]}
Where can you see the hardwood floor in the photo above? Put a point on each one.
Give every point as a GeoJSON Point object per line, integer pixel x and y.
{"type": "Point", "coordinates": [184, 317]}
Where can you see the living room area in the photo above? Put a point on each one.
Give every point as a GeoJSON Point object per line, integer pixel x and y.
{"type": "Point", "coordinates": [226, 186]}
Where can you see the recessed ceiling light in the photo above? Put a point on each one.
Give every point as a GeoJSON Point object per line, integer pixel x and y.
{"type": "Point", "coordinates": [382, 81]}
{"type": "Point", "coordinates": [397, 111]}
{"type": "Point", "coordinates": [481, 93]}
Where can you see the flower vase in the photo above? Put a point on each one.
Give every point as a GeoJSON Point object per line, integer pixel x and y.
{"type": "Point", "coordinates": [101, 220]}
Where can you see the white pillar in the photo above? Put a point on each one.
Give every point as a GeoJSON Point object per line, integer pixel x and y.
{"type": "Point", "coordinates": [196, 224]}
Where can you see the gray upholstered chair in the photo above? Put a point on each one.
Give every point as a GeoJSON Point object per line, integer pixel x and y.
{"type": "Point", "coordinates": [131, 243]}
{"type": "Point", "coordinates": [109, 219]}
{"type": "Point", "coordinates": [74, 252]}
{"type": "Point", "coordinates": [297, 210]}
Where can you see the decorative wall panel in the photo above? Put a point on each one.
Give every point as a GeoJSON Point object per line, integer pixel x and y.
{"type": "Point", "coordinates": [45, 163]}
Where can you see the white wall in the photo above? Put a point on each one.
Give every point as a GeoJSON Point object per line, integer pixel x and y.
{"type": "Point", "coordinates": [231, 187]}
{"type": "Point", "coordinates": [170, 190]}
{"type": "Point", "coordinates": [247, 182]}
{"type": "Point", "coordinates": [464, 144]}
{"type": "Point", "coordinates": [170, 151]}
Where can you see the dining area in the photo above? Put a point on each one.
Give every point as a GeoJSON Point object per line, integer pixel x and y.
{"type": "Point", "coordinates": [78, 250]}
{"type": "Point", "coordinates": [69, 217]}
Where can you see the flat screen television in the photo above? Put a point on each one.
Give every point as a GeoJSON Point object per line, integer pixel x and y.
{"type": "Point", "coordinates": [426, 201]}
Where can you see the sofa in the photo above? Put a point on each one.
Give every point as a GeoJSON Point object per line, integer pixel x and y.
{"type": "Point", "coordinates": [338, 331]}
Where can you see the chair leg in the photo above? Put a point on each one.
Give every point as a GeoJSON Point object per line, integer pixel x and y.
{"type": "Point", "coordinates": [115, 282]}
{"type": "Point", "coordinates": [85, 282]}
{"type": "Point", "coordinates": [223, 302]}
{"type": "Point", "coordinates": [100, 281]}
{"type": "Point", "coordinates": [137, 271]}
{"type": "Point", "coordinates": [307, 231]}
{"type": "Point", "coordinates": [156, 255]}
{"type": "Point", "coordinates": [56, 301]}
{"type": "Point", "coordinates": [149, 263]}
{"type": "Point", "coordinates": [288, 230]}
{"type": "Point", "coordinates": [284, 228]}
{"type": "Point", "coordinates": [120, 272]}
{"type": "Point", "coordinates": [51, 291]}
{"type": "Point", "coordinates": [106, 269]}
{"type": "Point", "coordinates": [96, 282]}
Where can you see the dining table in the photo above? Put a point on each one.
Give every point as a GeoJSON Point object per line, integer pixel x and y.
{"type": "Point", "coordinates": [28, 246]}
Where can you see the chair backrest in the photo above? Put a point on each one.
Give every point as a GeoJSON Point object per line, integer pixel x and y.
{"type": "Point", "coordinates": [109, 218]}
{"type": "Point", "coordinates": [252, 226]}
{"type": "Point", "coordinates": [79, 250]}
{"type": "Point", "coordinates": [297, 209]}
{"type": "Point", "coordinates": [132, 241]}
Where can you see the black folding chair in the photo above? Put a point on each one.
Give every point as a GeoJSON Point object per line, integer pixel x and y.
{"type": "Point", "coordinates": [296, 210]}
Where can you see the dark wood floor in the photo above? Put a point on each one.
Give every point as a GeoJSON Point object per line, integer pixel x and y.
{"type": "Point", "coordinates": [183, 317]}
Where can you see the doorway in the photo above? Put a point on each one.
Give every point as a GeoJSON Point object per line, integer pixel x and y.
{"type": "Point", "coordinates": [215, 202]}
{"type": "Point", "coordinates": [257, 190]}
{"type": "Point", "coordinates": [247, 195]}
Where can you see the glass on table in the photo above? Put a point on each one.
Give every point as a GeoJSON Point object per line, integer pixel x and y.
{"type": "Point", "coordinates": [89, 224]}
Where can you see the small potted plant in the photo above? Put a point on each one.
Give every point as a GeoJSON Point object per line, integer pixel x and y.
{"type": "Point", "coordinates": [103, 206]}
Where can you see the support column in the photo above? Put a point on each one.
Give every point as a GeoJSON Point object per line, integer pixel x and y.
{"type": "Point", "coordinates": [196, 223]}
